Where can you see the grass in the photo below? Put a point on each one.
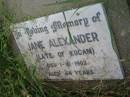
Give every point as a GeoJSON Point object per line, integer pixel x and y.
{"type": "Point", "coordinates": [17, 81]}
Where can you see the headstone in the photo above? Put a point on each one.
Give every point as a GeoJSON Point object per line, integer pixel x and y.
{"type": "Point", "coordinates": [71, 45]}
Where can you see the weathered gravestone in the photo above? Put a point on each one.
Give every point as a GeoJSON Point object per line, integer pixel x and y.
{"type": "Point", "coordinates": [70, 45]}
{"type": "Point", "coordinates": [76, 38]}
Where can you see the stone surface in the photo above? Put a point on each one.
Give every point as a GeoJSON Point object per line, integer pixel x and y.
{"type": "Point", "coordinates": [119, 20]}
{"type": "Point", "coordinates": [46, 43]}
{"type": "Point", "coordinates": [25, 9]}
{"type": "Point", "coordinates": [29, 7]}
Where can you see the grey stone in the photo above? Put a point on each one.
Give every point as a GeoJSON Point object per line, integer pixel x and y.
{"type": "Point", "coordinates": [119, 19]}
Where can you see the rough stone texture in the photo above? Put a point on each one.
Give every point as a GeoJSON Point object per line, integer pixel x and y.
{"type": "Point", "coordinates": [102, 63]}
{"type": "Point", "coordinates": [119, 19]}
